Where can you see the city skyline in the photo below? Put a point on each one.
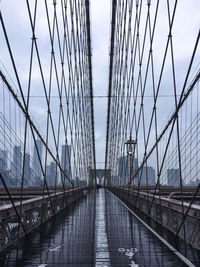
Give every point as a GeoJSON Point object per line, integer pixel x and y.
{"type": "Point", "coordinates": [11, 168]}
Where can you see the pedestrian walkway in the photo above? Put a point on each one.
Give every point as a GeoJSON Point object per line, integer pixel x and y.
{"type": "Point", "coordinates": [97, 231]}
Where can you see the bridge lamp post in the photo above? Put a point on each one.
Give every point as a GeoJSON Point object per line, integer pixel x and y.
{"type": "Point", "coordinates": [130, 145]}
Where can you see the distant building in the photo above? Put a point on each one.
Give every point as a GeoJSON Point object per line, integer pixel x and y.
{"type": "Point", "coordinates": [148, 176]}
{"type": "Point", "coordinates": [197, 181]}
{"type": "Point", "coordinates": [8, 179]}
{"type": "Point", "coordinates": [16, 166]}
{"type": "Point", "coordinates": [3, 159]}
{"type": "Point", "coordinates": [51, 174]}
{"type": "Point", "coordinates": [65, 157]}
{"type": "Point", "coordinates": [48, 171]}
{"type": "Point", "coordinates": [37, 157]}
{"type": "Point", "coordinates": [77, 181]}
{"type": "Point", "coordinates": [173, 177]}
{"type": "Point", "coordinates": [124, 169]}
{"type": "Point", "coordinates": [27, 170]}
{"type": "Point", "coordinates": [192, 183]}
{"type": "Point", "coordinates": [66, 161]}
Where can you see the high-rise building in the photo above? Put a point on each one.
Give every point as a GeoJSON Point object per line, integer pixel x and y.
{"type": "Point", "coordinates": [3, 159]}
{"type": "Point", "coordinates": [76, 181]}
{"type": "Point", "coordinates": [124, 169]}
{"type": "Point", "coordinates": [27, 170]}
{"type": "Point", "coordinates": [66, 159]}
{"type": "Point", "coordinates": [51, 174]}
{"type": "Point", "coordinates": [16, 166]}
{"type": "Point", "coordinates": [173, 177]}
{"type": "Point", "coordinates": [148, 176]}
{"type": "Point", "coordinates": [48, 170]}
{"type": "Point", "coordinates": [36, 156]}
{"type": "Point", "coordinates": [6, 174]}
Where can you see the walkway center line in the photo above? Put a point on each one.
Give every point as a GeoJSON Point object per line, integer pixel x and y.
{"type": "Point", "coordinates": [102, 251]}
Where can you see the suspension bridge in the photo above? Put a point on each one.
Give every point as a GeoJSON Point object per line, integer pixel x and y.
{"type": "Point", "coordinates": [141, 205]}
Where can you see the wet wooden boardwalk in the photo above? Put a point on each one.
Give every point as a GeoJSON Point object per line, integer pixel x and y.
{"type": "Point", "coordinates": [97, 231]}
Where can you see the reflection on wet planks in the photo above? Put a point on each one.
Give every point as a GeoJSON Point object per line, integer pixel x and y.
{"type": "Point", "coordinates": [96, 231]}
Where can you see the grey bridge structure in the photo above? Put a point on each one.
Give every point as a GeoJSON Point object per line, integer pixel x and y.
{"type": "Point", "coordinates": [56, 207]}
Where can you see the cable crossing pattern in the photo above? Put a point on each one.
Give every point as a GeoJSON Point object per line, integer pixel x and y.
{"type": "Point", "coordinates": [152, 144]}
{"type": "Point", "coordinates": [46, 144]}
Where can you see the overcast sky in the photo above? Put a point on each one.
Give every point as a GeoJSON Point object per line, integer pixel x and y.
{"type": "Point", "coordinates": [100, 14]}
{"type": "Point", "coordinates": [16, 20]}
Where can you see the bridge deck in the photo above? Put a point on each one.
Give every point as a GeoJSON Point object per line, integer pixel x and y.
{"type": "Point", "coordinates": [97, 231]}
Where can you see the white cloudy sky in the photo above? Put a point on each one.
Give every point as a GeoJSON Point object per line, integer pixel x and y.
{"type": "Point", "coordinates": [185, 32]}
{"type": "Point", "coordinates": [100, 14]}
